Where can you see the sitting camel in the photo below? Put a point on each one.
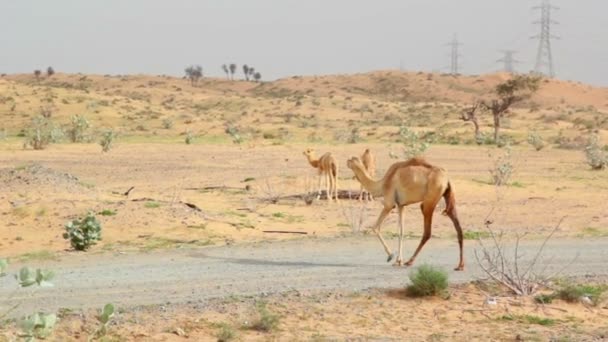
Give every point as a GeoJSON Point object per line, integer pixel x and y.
{"type": "Point", "coordinates": [410, 182]}
{"type": "Point", "coordinates": [329, 169]}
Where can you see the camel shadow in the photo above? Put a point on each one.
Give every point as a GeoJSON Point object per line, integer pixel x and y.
{"type": "Point", "coordinates": [262, 262]}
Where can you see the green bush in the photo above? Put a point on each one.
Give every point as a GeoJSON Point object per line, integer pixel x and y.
{"type": "Point", "coordinates": [268, 321]}
{"type": "Point", "coordinates": [41, 132]}
{"type": "Point", "coordinates": [78, 128]}
{"type": "Point", "coordinates": [574, 293]}
{"type": "Point", "coordinates": [83, 233]}
{"type": "Point", "coordinates": [596, 157]}
{"type": "Point", "coordinates": [413, 145]}
{"type": "Point", "coordinates": [226, 333]}
{"type": "Point", "coordinates": [536, 141]}
{"type": "Point", "coordinates": [544, 298]}
{"type": "Point", "coordinates": [427, 281]}
{"type": "Point", "coordinates": [107, 140]}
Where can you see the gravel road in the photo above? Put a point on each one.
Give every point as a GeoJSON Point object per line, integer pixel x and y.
{"type": "Point", "coordinates": [194, 275]}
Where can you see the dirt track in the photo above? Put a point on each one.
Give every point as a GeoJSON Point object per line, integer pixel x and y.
{"type": "Point", "coordinates": [191, 275]}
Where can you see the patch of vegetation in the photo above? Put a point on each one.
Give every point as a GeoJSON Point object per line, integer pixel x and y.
{"type": "Point", "coordinates": [596, 157]}
{"type": "Point", "coordinates": [536, 140]}
{"type": "Point", "coordinates": [544, 298]}
{"type": "Point", "coordinates": [104, 318]}
{"type": "Point", "coordinates": [78, 128]}
{"type": "Point", "coordinates": [83, 233]}
{"type": "Point", "coordinates": [502, 168]}
{"type": "Point", "coordinates": [107, 140]}
{"type": "Point", "coordinates": [41, 132]}
{"type": "Point", "coordinates": [226, 333]}
{"type": "Point", "coordinates": [574, 293]}
{"type": "Point", "coordinates": [413, 144]}
{"type": "Point", "coordinates": [37, 256]}
{"type": "Point", "coordinates": [427, 280]}
{"type": "Point", "coordinates": [152, 205]}
{"type": "Point", "coordinates": [107, 212]}
{"type": "Point", "coordinates": [267, 321]}
{"type": "Point", "coordinates": [475, 235]}
{"type": "Point", "coordinates": [248, 179]}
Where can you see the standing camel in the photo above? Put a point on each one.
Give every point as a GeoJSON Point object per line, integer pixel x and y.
{"type": "Point", "coordinates": [369, 161]}
{"type": "Point", "coordinates": [328, 168]}
{"type": "Point", "coordinates": [405, 183]}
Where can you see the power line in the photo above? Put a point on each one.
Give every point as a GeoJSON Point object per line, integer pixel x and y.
{"type": "Point", "coordinates": [454, 55]}
{"type": "Point", "coordinates": [544, 56]}
{"type": "Point", "coordinates": [508, 61]}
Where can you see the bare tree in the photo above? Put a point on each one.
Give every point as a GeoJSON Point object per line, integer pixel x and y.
{"type": "Point", "coordinates": [257, 76]}
{"type": "Point", "coordinates": [515, 90]}
{"type": "Point", "coordinates": [225, 68]}
{"type": "Point", "coordinates": [37, 74]}
{"type": "Point", "coordinates": [50, 71]}
{"type": "Point", "coordinates": [246, 71]}
{"type": "Point", "coordinates": [232, 70]}
{"type": "Point", "coordinates": [194, 73]}
{"type": "Point", "coordinates": [469, 115]}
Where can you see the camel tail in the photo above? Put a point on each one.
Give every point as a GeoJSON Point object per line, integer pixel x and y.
{"type": "Point", "coordinates": [334, 169]}
{"type": "Point", "coordinates": [450, 200]}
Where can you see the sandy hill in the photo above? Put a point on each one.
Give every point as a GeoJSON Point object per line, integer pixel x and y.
{"type": "Point", "coordinates": [313, 108]}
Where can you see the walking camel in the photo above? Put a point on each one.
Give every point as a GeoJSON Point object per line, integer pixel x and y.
{"type": "Point", "coordinates": [369, 161]}
{"type": "Point", "coordinates": [405, 183]}
{"type": "Point", "coordinates": [328, 168]}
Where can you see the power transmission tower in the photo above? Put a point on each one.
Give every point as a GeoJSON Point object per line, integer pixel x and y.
{"type": "Point", "coordinates": [454, 56]}
{"type": "Point", "coordinates": [544, 57]}
{"type": "Point", "coordinates": [508, 61]}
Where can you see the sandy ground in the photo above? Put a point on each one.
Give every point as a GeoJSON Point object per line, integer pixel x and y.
{"type": "Point", "coordinates": [44, 189]}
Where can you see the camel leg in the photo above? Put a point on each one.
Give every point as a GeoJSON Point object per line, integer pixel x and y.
{"type": "Point", "coordinates": [335, 181]}
{"type": "Point", "coordinates": [428, 207]}
{"type": "Point", "coordinates": [399, 262]}
{"type": "Point", "coordinates": [327, 186]}
{"type": "Point", "coordinates": [319, 187]}
{"type": "Point", "coordinates": [454, 217]}
{"type": "Point", "coordinates": [383, 214]}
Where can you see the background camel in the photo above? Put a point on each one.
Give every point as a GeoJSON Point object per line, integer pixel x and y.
{"type": "Point", "coordinates": [328, 168]}
{"type": "Point", "coordinates": [369, 161]}
{"type": "Point", "coordinates": [405, 183]}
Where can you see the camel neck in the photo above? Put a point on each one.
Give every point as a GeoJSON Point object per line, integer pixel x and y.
{"type": "Point", "coordinates": [372, 186]}
{"type": "Point", "coordinates": [313, 162]}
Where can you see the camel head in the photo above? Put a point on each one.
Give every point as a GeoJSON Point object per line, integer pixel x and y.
{"type": "Point", "coordinates": [355, 162]}
{"type": "Point", "coordinates": [309, 152]}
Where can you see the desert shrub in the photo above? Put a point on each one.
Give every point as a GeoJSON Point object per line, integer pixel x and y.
{"type": "Point", "coordinates": [596, 157]}
{"type": "Point", "coordinates": [78, 128]}
{"type": "Point", "coordinates": [233, 131]}
{"type": "Point", "coordinates": [427, 281]}
{"type": "Point", "coordinates": [413, 145]}
{"type": "Point", "coordinates": [83, 233]}
{"type": "Point", "coordinates": [502, 168]}
{"type": "Point", "coordinates": [536, 140]}
{"type": "Point", "coordinates": [267, 321]}
{"type": "Point", "coordinates": [544, 298]}
{"type": "Point", "coordinates": [41, 132]}
{"type": "Point", "coordinates": [226, 334]}
{"type": "Point", "coordinates": [37, 326]}
{"type": "Point", "coordinates": [354, 136]}
{"type": "Point", "coordinates": [189, 138]}
{"type": "Point", "coordinates": [104, 318]}
{"type": "Point", "coordinates": [107, 140]}
{"type": "Point", "coordinates": [574, 293]}
{"type": "Point", "coordinates": [167, 123]}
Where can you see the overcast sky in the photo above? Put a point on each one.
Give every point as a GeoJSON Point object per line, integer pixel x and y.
{"type": "Point", "coordinates": [295, 37]}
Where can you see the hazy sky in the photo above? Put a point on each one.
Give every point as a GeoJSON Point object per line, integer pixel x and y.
{"type": "Point", "coordinates": [288, 37]}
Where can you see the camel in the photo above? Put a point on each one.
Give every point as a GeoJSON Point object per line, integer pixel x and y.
{"type": "Point", "coordinates": [328, 168]}
{"type": "Point", "coordinates": [369, 161]}
{"type": "Point", "coordinates": [405, 183]}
